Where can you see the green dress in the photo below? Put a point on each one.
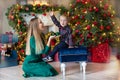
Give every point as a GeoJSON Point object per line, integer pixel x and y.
{"type": "Point", "coordinates": [33, 65]}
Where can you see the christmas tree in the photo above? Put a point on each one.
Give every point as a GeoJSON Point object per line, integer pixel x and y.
{"type": "Point", "coordinates": [91, 21]}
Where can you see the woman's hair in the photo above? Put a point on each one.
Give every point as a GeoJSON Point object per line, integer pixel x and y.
{"type": "Point", "coordinates": [33, 30]}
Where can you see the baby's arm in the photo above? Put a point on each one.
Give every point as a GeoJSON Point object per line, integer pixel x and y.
{"type": "Point", "coordinates": [54, 19]}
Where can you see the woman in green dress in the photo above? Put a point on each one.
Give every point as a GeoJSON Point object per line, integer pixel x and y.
{"type": "Point", "coordinates": [33, 64]}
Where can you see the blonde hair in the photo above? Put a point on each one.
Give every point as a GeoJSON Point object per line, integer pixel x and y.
{"type": "Point", "coordinates": [33, 30]}
{"type": "Point", "coordinates": [65, 16]}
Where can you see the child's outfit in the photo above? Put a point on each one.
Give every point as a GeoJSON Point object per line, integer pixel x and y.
{"type": "Point", "coordinates": [65, 39]}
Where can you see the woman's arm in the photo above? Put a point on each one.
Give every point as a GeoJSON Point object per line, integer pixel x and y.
{"type": "Point", "coordinates": [47, 48]}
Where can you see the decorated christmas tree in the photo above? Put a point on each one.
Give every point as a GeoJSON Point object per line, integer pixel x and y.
{"type": "Point", "coordinates": [17, 22]}
{"type": "Point", "coordinates": [91, 21]}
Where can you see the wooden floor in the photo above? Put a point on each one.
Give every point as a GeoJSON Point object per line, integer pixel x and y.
{"type": "Point", "coordinates": [94, 71]}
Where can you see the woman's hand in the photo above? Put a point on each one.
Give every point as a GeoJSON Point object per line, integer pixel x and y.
{"type": "Point", "coordinates": [49, 40]}
{"type": "Point", "coordinates": [52, 37]}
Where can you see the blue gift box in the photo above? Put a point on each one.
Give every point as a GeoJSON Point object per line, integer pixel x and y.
{"type": "Point", "coordinates": [4, 38]}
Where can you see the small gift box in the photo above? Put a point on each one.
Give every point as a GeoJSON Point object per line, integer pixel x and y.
{"type": "Point", "coordinates": [100, 53]}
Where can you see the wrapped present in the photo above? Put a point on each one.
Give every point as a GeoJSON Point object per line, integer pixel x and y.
{"type": "Point", "coordinates": [10, 38]}
{"type": "Point", "coordinates": [15, 38]}
{"type": "Point", "coordinates": [100, 53]}
{"type": "Point", "coordinates": [4, 38]}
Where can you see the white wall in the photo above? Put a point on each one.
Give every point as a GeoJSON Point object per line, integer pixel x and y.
{"type": "Point", "coordinates": [4, 4]}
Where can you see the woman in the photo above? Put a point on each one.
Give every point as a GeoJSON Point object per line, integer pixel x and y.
{"type": "Point", "coordinates": [33, 64]}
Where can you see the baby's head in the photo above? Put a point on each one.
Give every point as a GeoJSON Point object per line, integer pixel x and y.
{"type": "Point", "coordinates": [63, 20]}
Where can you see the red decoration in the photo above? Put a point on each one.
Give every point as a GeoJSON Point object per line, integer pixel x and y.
{"type": "Point", "coordinates": [76, 17]}
{"type": "Point", "coordinates": [22, 51]}
{"type": "Point", "coordinates": [104, 15]}
{"type": "Point", "coordinates": [19, 21]}
{"type": "Point", "coordinates": [81, 35]}
{"type": "Point", "coordinates": [77, 23]}
{"type": "Point", "coordinates": [95, 23]}
{"type": "Point", "coordinates": [96, 10]}
{"type": "Point", "coordinates": [100, 53]}
{"type": "Point", "coordinates": [82, 17]}
{"type": "Point", "coordinates": [12, 17]}
{"type": "Point", "coordinates": [81, 41]}
{"type": "Point", "coordinates": [20, 33]}
{"type": "Point", "coordinates": [53, 41]}
{"type": "Point", "coordinates": [88, 27]}
{"type": "Point", "coordinates": [101, 27]}
{"type": "Point", "coordinates": [108, 27]}
{"type": "Point", "coordinates": [33, 14]}
{"type": "Point", "coordinates": [38, 5]}
{"type": "Point", "coordinates": [77, 1]}
{"type": "Point", "coordinates": [84, 10]}
{"type": "Point", "coordinates": [106, 6]}
{"type": "Point", "coordinates": [90, 9]}
{"type": "Point", "coordinates": [76, 31]}
{"type": "Point", "coordinates": [26, 8]}
{"type": "Point", "coordinates": [44, 14]}
{"type": "Point", "coordinates": [88, 35]}
{"type": "Point", "coordinates": [109, 14]}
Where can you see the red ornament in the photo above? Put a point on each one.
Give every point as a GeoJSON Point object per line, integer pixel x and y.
{"type": "Point", "coordinates": [77, 1]}
{"type": "Point", "coordinates": [77, 23]}
{"type": "Point", "coordinates": [83, 17]}
{"type": "Point", "coordinates": [107, 41]}
{"type": "Point", "coordinates": [22, 51]}
{"type": "Point", "coordinates": [76, 31]}
{"type": "Point", "coordinates": [109, 14]}
{"type": "Point", "coordinates": [73, 36]}
{"type": "Point", "coordinates": [44, 14]}
{"type": "Point", "coordinates": [95, 23]}
{"type": "Point", "coordinates": [19, 21]}
{"type": "Point", "coordinates": [101, 37]}
{"type": "Point", "coordinates": [76, 17]}
{"type": "Point", "coordinates": [84, 10]}
{"type": "Point", "coordinates": [106, 6]}
{"type": "Point", "coordinates": [53, 41]}
{"type": "Point", "coordinates": [90, 9]}
{"type": "Point", "coordinates": [101, 27]}
{"type": "Point", "coordinates": [72, 6]}
{"type": "Point", "coordinates": [33, 14]}
{"type": "Point", "coordinates": [96, 10]}
{"type": "Point", "coordinates": [88, 36]}
{"type": "Point", "coordinates": [19, 8]}
{"type": "Point", "coordinates": [19, 43]}
{"type": "Point", "coordinates": [88, 27]}
{"type": "Point", "coordinates": [81, 41]}
{"type": "Point", "coordinates": [108, 27]}
{"type": "Point", "coordinates": [104, 15]}
{"type": "Point", "coordinates": [12, 17]}
{"type": "Point", "coordinates": [27, 9]}
{"type": "Point", "coordinates": [81, 35]}
{"type": "Point", "coordinates": [38, 5]}
{"type": "Point", "coordinates": [20, 32]}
